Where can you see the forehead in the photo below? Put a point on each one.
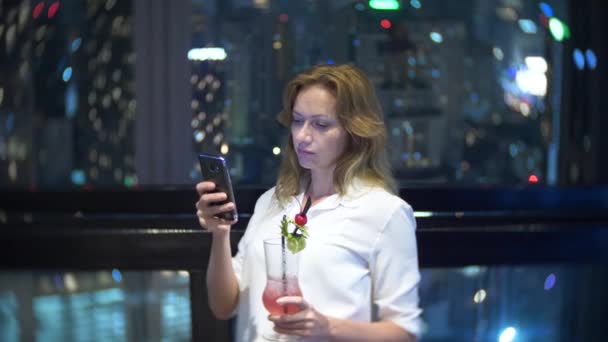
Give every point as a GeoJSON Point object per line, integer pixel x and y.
{"type": "Point", "coordinates": [315, 100]}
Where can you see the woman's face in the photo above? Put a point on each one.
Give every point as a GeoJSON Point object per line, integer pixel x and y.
{"type": "Point", "coordinates": [318, 137]}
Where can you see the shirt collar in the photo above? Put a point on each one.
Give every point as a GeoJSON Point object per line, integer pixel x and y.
{"type": "Point", "coordinates": [351, 198]}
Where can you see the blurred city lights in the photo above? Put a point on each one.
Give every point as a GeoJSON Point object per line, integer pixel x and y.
{"type": "Point", "coordinates": [506, 13]}
{"type": "Point", "coordinates": [224, 149]}
{"type": "Point", "coordinates": [276, 150]}
{"type": "Point", "coordinates": [550, 282]}
{"type": "Point", "coordinates": [527, 26]}
{"type": "Point", "coordinates": [204, 54]}
{"type": "Point", "coordinates": [386, 24]}
{"type": "Point", "coordinates": [67, 74]}
{"type": "Point", "coordinates": [384, 4]}
{"type": "Point", "coordinates": [199, 136]}
{"type": "Point", "coordinates": [591, 59]}
{"type": "Point", "coordinates": [53, 9]}
{"type": "Point", "coordinates": [38, 10]}
{"type": "Point", "coordinates": [559, 30]}
{"type": "Point", "coordinates": [532, 82]}
{"type": "Point", "coordinates": [130, 181]}
{"type": "Point", "coordinates": [415, 3]}
{"type": "Point", "coordinates": [423, 214]}
{"type": "Point", "coordinates": [498, 54]}
{"type": "Point", "coordinates": [78, 177]}
{"type": "Point", "coordinates": [116, 275]}
{"type": "Point", "coordinates": [480, 296]}
{"type": "Point", "coordinates": [507, 335]}
{"type": "Point", "coordinates": [546, 9]}
{"type": "Point", "coordinates": [71, 100]}
{"type": "Point", "coordinates": [533, 179]}
{"type": "Point", "coordinates": [579, 59]}
{"type": "Point", "coordinates": [436, 37]}
{"type": "Point", "coordinates": [75, 44]}
{"type": "Point", "coordinates": [359, 6]}
{"type": "Point", "coordinates": [536, 63]}
{"type": "Point", "coordinates": [471, 271]}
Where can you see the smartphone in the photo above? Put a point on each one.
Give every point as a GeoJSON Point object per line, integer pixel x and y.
{"type": "Point", "coordinates": [214, 169]}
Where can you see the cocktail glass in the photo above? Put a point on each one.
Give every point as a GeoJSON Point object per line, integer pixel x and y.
{"type": "Point", "coordinates": [281, 281]}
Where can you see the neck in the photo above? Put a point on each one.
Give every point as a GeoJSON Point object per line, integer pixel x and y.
{"type": "Point", "coordinates": [321, 184]}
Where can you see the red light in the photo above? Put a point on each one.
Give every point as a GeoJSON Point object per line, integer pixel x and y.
{"type": "Point", "coordinates": [386, 24]}
{"type": "Point", "coordinates": [543, 20]}
{"type": "Point", "coordinates": [37, 10]}
{"type": "Point", "coordinates": [532, 179]}
{"type": "Point", "coordinates": [283, 18]}
{"type": "Point", "coordinates": [53, 9]}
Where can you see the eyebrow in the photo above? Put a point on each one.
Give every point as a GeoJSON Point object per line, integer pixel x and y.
{"type": "Point", "coordinates": [313, 115]}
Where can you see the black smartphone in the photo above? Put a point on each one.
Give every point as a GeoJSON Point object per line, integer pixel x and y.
{"type": "Point", "coordinates": [214, 169]}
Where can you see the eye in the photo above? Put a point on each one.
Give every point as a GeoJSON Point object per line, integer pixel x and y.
{"type": "Point", "coordinates": [296, 121]}
{"type": "Point", "coordinates": [321, 124]}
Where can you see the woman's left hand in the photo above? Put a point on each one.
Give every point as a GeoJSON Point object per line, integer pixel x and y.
{"type": "Point", "coordinates": [307, 322]}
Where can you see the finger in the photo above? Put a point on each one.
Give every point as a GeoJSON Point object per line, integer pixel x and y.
{"type": "Point", "coordinates": [204, 187]}
{"type": "Point", "coordinates": [215, 210]}
{"type": "Point", "coordinates": [297, 332]}
{"type": "Point", "coordinates": [294, 300]}
{"type": "Point", "coordinates": [300, 325]}
{"type": "Point", "coordinates": [208, 199]}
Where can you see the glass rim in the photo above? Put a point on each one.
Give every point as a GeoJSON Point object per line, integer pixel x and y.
{"type": "Point", "coordinates": [273, 240]}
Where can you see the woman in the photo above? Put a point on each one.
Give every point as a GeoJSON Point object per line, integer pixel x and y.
{"type": "Point", "coordinates": [359, 271]}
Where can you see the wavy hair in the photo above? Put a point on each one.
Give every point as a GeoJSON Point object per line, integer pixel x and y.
{"type": "Point", "coordinates": [359, 112]}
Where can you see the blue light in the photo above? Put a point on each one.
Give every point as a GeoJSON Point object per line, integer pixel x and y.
{"type": "Point", "coordinates": [550, 282]}
{"type": "Point", "coordinates": [415, 3]}
{"type": "Point", "coordinates": [67, 74]}
{"type": "Point", "coordinates": [360, 7]}
{"type": "Point", "coordinates": [579, 59]}
{"type": "Point", "coordinates": [411, 61]}
{"type": "Point", "coordinates": [513, 150]}
{"type": "Point", "coordinates": [71, 100]}
{"type": "Point", "coordinates": [75, 44]}
{"type": "Point", "coordinates": [436, 37]}
{"type": "Point", "coordinates": [546, 9]}
{"type": "Point", "coordinates": [405, 156]}
{"type": "Point", "coordinates": [474, 97]}
{"type": "Point", "coordinates": [10, 122]}
{"type": "Point", "coordinates": [591, 59]}
{"type": "Point", "coordinates": [417, 155]}
{"type": "Point", "coordinates": [330, 61]}
{"type": "Point", "coordinates": [507, 335]}
{"type": "Point", "coordinates": [527, 26]}
{"type": "Point", "coordinates": [356, 42]}
{"type": "Point", "coordinates": [435, 73]}
{"type": "Point", "coordinates": [78, 177]}
{"type": "Point", "coordinates": [116, 275]}
{"type": "Point", "coordinates": [511, 73]}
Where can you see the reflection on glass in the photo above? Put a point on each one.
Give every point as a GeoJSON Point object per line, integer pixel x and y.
{"type": "Point", "coordinates": [460, 84]}
{"type": "Point", "coordinates": [95, 306]}
{"type": "Point", "coordinates": [454, 79]}
{"type": "Point", "coordinates": [510, 303]}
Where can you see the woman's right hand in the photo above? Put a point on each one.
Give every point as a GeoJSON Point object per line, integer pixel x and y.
{"type": "Point", "coordinates": [207, 212]}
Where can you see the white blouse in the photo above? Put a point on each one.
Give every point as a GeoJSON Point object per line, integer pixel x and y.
{"type": "Point", "coordinates": [360, 262]}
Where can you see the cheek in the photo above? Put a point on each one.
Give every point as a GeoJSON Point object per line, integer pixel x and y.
{"type": "Point", "coordinates": [340, 143]}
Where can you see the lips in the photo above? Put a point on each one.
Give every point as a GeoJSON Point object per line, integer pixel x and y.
{"type": "Point", "coordinates": [305, 152]}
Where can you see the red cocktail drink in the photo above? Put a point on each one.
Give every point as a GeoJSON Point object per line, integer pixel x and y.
{"type": "Point", "coordinates": [277, 288]}
{"type": "Point", "coordinates": [281, 281]}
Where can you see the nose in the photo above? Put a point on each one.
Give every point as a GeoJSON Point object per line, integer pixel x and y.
{"type": "Point", "coordinates": [302, 134]}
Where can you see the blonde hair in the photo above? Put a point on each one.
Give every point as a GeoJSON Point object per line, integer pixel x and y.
{"type": "Point", "coordinates": [359, 112]}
